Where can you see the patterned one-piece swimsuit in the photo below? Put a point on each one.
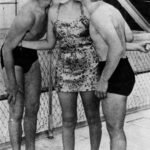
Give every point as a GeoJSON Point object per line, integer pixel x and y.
{"type": "Point", "coordinates": [76, 68]}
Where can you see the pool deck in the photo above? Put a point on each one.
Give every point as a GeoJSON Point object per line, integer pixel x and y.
{"type": "Point", "coordinates": [137, 128]}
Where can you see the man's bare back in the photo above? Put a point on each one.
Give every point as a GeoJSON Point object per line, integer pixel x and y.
{"type": "Point", "coordinates": [108, 14]}
{"type": "Point", "coordinates": [32, 19]}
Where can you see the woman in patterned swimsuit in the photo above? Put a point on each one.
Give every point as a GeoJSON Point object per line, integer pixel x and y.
{"type": "Point", "coordinates": [76, 69]}
{"type": "Point", "coordinates": [77, 60]}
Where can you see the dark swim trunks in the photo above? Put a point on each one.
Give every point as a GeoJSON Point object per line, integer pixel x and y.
{"type": "Point", "coordinates": [122, 80]}
{"type": "Point", "coordinates": [23, 57]}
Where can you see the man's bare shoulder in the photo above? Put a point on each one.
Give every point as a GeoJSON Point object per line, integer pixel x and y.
{"type": "Point", "coordinates": [99, 15]}
{"type": "Point", "coordinates": [105, 13]}
{"type": "Point", "coordinates": [25, 15]}
{"type": "Point", "coordinates": [22, 23]}
{"type": "Point", "coordinates": [27, 7]}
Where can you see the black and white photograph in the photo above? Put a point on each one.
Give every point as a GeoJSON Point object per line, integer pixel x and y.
{"type": "Point", "coordinates": [74, 74]}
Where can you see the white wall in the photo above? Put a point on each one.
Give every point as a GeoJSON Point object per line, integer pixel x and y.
{"type": "Point", "coordinates": [7, 12]}
{"type": "Point", "coordinates": [21, 2]}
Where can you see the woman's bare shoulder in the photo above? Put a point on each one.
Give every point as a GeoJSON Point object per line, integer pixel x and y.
{"type": "Point", "coordinates": [53, 12]}
{"type": "Point", "coordinates": [85, 12]}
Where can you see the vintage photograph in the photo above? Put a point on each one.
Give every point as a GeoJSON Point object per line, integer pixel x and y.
{"type": "Point", "coordinates": [74, 74]}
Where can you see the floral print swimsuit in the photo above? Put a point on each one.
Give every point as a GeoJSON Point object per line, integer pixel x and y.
{"type": "Point", "coordinates": [76, 68]}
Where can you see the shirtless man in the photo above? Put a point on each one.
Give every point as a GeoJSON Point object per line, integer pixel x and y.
{"type": "Point", "coordinates": [23, 76]}
{"type": "Point", "coordinates": [110, 33]}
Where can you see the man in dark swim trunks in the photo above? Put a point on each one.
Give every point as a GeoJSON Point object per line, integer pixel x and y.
{"type": "Point", "coordinates": [111, 36]}
{"type": "Point", "coordinates": [22, 71]}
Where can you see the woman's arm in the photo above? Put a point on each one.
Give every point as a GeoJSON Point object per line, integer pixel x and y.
{"type": "Point", "coordinates": [45, 44]}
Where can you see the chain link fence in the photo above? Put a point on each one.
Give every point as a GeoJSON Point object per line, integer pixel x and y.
{"type": "Point", "coordinates": [139, 98]}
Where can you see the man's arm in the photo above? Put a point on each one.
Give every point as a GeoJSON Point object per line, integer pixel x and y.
{"type": "Point", "coordinates": [107, 30]}
{"type": "Point", "coordinates": [21, 24]}
{"type": "Point", "coordinates": [45, 44]}
{"type": "Point", "coordinates": [115, 50]}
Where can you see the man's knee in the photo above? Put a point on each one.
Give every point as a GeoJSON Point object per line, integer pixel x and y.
{"type": "Point", "coordinates": [114, 128]}
{"type": "Point", "coordinates": [70, 122]}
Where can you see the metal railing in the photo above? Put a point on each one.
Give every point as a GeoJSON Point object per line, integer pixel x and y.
{"type": "Point", "coordinates": [11, 3]}
{"type": "Point", "coordinates": [49, 116]}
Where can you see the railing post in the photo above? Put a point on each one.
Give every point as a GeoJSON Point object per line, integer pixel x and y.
{"type": "Point", "coordinates": [16, 7]}
{"type": "Point", "coordinates": [50, 117]}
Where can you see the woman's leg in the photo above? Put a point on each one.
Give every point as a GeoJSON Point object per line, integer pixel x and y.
{"type": "Point", "coordinates": [91, 106]}
{"type": "Point", "coordinates": [68, 102]}
{"type": "Point", "coordinates": [114, 108]}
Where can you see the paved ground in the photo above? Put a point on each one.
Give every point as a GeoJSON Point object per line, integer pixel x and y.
{"type": "Point", "coordinates": [137, 128]}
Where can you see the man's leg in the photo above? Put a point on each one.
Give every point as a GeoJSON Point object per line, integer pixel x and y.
{"type": "Point", "coordinates": [32, 100]}
{"type": "Point", "coordinates": [114, 108]}
{"type": "Point", "coordinates": [91, 106]}
{"type": "Point", "coordinates": [16, 112]}
{"type": "Point", "coordinates": [68, 102]}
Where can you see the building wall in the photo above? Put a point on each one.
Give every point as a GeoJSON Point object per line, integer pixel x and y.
{"type": "Point", "coordinates": [7, 12]}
